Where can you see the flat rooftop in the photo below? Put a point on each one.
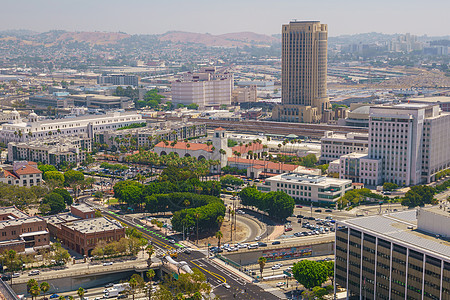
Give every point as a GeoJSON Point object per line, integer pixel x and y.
{"type": "Point", "coordinates": [311, 179]}
{"type": "Point", "coordinates": [431, 100]}
{"type": "Point", "coordinates": [401, 228]}
{"type": "Point", "coordinates": [17, 222]}
{"type": "Point", "coordinates": [14, 211]}
{"type": "Point", "coordinates": [87, 226]}
{"type": "Point", "coordinates": [83, 208]}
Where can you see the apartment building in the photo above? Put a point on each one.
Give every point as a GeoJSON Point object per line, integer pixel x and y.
{"type": "Point", "coordinates": [53, 151]}
{"type": "Point", "coordinates": [244, 94]}
{"type": "Point", "coordinates": [151, 134]}
{"type": "Point", "coordinates": [20, 232]}
{"type": "Point", "coordinates": [18, 130]}
{"type": "Point", "coordinates": [395, 256]}
{"type": "Point", "coordinates": [83, 235]}
{"type": "Point", "coordinates": [207, 88]}
{"type": "Point", "coordinates": [308, 187]}
{"type": "Point", "coordinates": [334, 145]}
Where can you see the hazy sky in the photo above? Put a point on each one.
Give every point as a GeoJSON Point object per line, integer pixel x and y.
{"type": "Point", "coordinates": [262, 16]}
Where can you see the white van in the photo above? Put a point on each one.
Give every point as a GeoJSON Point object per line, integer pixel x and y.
{"type": "Point", "coordinates": [253, 246]}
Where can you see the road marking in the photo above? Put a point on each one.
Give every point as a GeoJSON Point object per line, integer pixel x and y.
{"type": "Point", "coordinates": [220, 277]}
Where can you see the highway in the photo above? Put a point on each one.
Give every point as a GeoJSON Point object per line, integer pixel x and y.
{"type": "Point", "coordinates": [217, 277]}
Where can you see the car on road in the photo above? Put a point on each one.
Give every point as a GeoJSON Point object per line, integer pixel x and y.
{"type": "Point", "coordinates": [257, 238]}
{"type": "Point", "coordinates": [241, 212]}
{"type": "Point", "coordinates": [318, 210]}
{"type": "Point", "coordinates": [34, 272]}
{"type": "Point", "coordinates": [172, 241]}
{"type": "Point", "coordinates": [328, 210]}
{"type": "Point", "coordinates": [187, 251]}
{"type": "Point", "coordinates": [280, 284]}
{"type": "Point", "coordinates": [300, 216]}
{"type": "Point", "coordinates": [109, 285]}
{"type": "Point", "coordinates": [288, 229]}
{"type": "Point", "coordinates": [227, 285]}
{"type": "Point", "coordinates": [275, 267]}
{"type": "Point", "coordinates": [311, 218]}
{"type": "Point", "coordinates": [15, 275]}
{"type": "Point", "coordinates": [299, 206]}
{"type": "Point", "coordinates": [122, 296]}
{"type": "Point", "coordinates": [54, 296]}
{"type": "Point", "coordinates": [276, 243]}
{"type": "Point", "coordinates": [261, 244]}
{"type": "Point", "coordinates": [109, 263]}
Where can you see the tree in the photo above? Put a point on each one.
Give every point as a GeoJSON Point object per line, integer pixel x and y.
{"type": "Point", "coordinates": [133, 284]}
{"type": "Point", "coordinates": [151, 274]}
{"type": "Point", "coordinates": [44, 287]}
{"type": "Point", "coordinates": [279, 205]}
{"type": "Point", "coordinates": [150, 250]}
{"type": "Point", "coordinates": [73, 177]}
{"type": "Point", "coordinates": [55, 202]}
{"type": "Point", "coordinates": [262, 262]}
{"type": "Point", "coordinates": [230, 180]}
{"type": "Point", "coordinates": [35, 291]}
{"type": "Point", "coordinates": [310, 273]}
{"type": "Point", "coordinates": [80, 293]}
{"type": "Point", "coordinates": [389, 186]}
{"type": "Point", "coordinates": [219, 236]}
{"type": "Point", "coordinates": [54, 176]}
{"type": "Point", "coordinates": [65, 194]}
{"type": "Point", "coordinates": [419, 195]}
{"type": "Point", "coordinates": [45, 168]}
{"type": "Point", "coordinates": [31, 283]}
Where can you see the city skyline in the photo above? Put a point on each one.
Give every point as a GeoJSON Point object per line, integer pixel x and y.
{"type": "Point", "coordinates": [138, 17]}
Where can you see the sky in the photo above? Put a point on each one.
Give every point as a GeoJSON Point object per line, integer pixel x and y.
{"type": "Point", "coordinates": [418, 17]}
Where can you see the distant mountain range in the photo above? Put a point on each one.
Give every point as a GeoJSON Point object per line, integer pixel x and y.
{"type": "Point", "coordinates": [237, 39]}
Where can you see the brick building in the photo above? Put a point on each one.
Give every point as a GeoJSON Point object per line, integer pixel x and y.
{"type": "Point", "coordinates": [83, 235]}
{"type": "Point", "coordinates": [20, 232]}
{"type": "Point", "coordinates": [82, 211]}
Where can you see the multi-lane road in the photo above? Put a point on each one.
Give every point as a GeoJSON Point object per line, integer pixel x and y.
{"type": "Point", "coordinates": [225, 283]}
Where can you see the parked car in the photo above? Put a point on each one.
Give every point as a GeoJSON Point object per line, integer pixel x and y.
{"type": "Point", "coordinates": [172, 241]}
{"type": "Point", "coordinates": [280, 284]}
{"type": "Point", "coordinates": [275, 267]}
{"type": "Point", "coordinates": [288, 229]}
{"type": "Point", "coordinates": [15, 275]}
{"type": "Point", "coordinates": [109, 263]}
{"type": "Point", "coordinates": [257, 238]}
{"type": "Point", "coordinates": [328, 210]}
{"type": "Point", "coordinates": [318, 210]}
{"type": "Point", "coordinates": [54, 296]}
{"type": "Point", "coordinates": [299, 206]}
{"type": "Point", "coordinates": [276, 243]}
{"type": "Point", "coordinates": [261, 244]}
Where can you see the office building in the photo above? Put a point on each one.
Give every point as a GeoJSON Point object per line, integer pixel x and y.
{"type": "Point", "coordinates": [118, 79]}
{"type": "Point", "coordinates": [20, 232]}
{"type": "Point", "coordinates": [98, 101]}
{"type": "Point", "coordinates": [244, 94]}
{"type": "Point", "coordinates": [207, 88]}
{"type": "Point", "coordinates": [304, 72]}
{"type": "Point", "coordinates": [83, 235]}
{"type": "Point", "coordinates": [52, 150]}
{"type": "Point", "coordinates": [18, 130]}
{"type": "Point", "coordinates": [395, 256]}
{"type": "Point", "coordinates": [333, 145]}
{"type": "Point", "coordinates": [54, 100]}
{"type": "Point", "coordinates": [306, 186]}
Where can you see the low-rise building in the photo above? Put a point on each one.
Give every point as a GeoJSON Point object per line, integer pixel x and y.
{"type": "Point", "coordinates": [83, 235]}
{"type": "Point", "coordinates": [52, 151]}
{"type": "Point", "coordinates": [333, 145]}
{"type": "Point", "coordinates": [20, 232]}
{"type": "Point", "coordinates": [244, 94]}
{"type": "Point", "coordinates": [21, 173]}
{"type": "Point", "coordinates": [395, 256]}
{"type": "Point", "coordinates": [307, 187]}
{"type": "Point", "coordinates": [101, 101]}
{"type": "Point", "coordinates": [118, 79]}
{"type": "Point", "coordinates": [82, 211]}
{"type": "Point", "coordinates": [151, 134]}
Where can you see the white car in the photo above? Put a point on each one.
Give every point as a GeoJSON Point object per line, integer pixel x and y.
{"type": "Point", "coordinates": [15, 275]}
{"type": "Point", "coordinates": [257, 238]}
{"type": "Point", "coordinates": [109, 263]}
{"type": "Point", "coordinates": [280, 284]}
{"type": "Point", "coordinates": [275, 267]}
{"type": "Point", "coordinates": [226, 285]}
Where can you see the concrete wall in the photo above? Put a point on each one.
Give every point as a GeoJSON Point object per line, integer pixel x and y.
{"type": "Point", "coordinates": [280, 253]}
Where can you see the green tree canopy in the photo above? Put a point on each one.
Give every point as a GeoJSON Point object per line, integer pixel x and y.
{"type": "Point", "coordinates": [310, 273]}
{"type": "Point", "coordinates": [45, 168]}
{"type": "Point", "coordinates": [230, 180]}
{"type": "Point", "coordinates": [54, 175]}
{"type": "Point", "coordinates": [389, 186]}
{"type": "Point", "coordinates": [65, 194]}
{"type": "Point", "coordinates": [419, 195]}
{"type": "Point", "coordinates": [55, 202]}
{"type": "Point", "coordinates": [73, 177]}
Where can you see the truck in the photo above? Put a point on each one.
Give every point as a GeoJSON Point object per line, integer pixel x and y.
{"type": "Point", "coordinates": [112, 292]}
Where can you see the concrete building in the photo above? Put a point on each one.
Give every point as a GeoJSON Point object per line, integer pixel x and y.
{"type": "Point", "coordinates": [83, 235]}
{"type": "Point", "coordinates": [308, 187]}
{"type": "Point", "coordinates": [101, 101]}
{"type": "Point", "coordinates": [333, 145]}
{"type": "Point", "coordinates": [55, 100]}
{"type": "Point", "coordinates": [395, 256]}
{"type": "Point", "coordinates": [21, 173]}
{"type": "Point", "coordinates": [20, 232]}
{"type": "Point", "coordinates": [244, 94]}
{"type": "Point", "coordinates": [33, 128]}
{"type": "Point", "coordinates": [153, 133]}
{"type": "Point", "coordinates": [118, 79]}
{"type": "Point", "coordinates": [304, 72]}
{"type": "Point", "coordinates": [207, 88]}
{"type": "Point", "coordinates": [442, 101]}
{"type": "Point", "coordinates": [358, 167]}
{"type": "Point", "coordinates": [53, 151]}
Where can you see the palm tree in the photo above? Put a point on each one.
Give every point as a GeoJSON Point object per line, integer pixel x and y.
{"type": "Point", "coordinates": [133, 284]}
{"type": "Point", "coordinates": [150, 250]}
{"type": "Point", "coordinates": [218, 236]}
{"type": "Point", "coordinates": [44, 287]}
{"type": "Point", "coordinates": [80, 293]}
{"type": "Point", "coordinates": [150, 274]}
{"type": "Point", "coordinates": [31, 283]}
{"type": "Point", "coordinates": [232, 215]}
{"type": "Point", "coordinates": [262, 262]}
{"type": "Point", "coordinates": [35, 291]}
{"type": "Point", "coordinates": [197, 215]}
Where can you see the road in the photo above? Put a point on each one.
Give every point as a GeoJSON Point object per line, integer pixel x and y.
{"type": "Point", "coordinates": [219, 278]}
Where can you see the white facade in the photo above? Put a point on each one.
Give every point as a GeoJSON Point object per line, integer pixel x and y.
{"type": "Point", "coordinates": [434, 220]}
{"type": "Point", "coordinates": [412, 140]}
{"type": "Point", "coordinates": [19, 131]}
{"type": "Point", "coordinates": [206, 88]}
{"type": "Point", "coordinates": [304, 187]}
{"type": "Point", "coordinates": [358, 167]}
{"type": "Point", "coordinates": [333, 145]}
